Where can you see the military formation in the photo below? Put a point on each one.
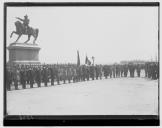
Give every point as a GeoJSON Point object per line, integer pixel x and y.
{"type": "Point", "coordinates": [52, 74]}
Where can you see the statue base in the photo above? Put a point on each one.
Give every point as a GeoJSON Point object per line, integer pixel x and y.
{"type": "Point", "coordinates": [20, 53]}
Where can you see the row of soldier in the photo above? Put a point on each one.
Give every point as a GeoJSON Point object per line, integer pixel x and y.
{"type": "Point", "coordinates": [31, 74]}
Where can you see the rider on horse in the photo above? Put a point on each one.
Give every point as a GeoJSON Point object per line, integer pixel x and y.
{"type": "Point", "coordinates": [25, 22]}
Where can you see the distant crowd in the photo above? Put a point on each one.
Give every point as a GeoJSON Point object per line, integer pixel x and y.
{"type": "Point", "coordinates": [52, 74]}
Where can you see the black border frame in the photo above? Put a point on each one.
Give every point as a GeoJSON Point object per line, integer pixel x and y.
{"type": "Point", "coordinates": [80, 120]}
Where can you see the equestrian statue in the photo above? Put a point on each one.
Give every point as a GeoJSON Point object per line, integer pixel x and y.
{"type": "Point", "coordinates": [23, 28]}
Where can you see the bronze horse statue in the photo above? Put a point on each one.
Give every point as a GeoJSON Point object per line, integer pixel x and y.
{"type": "Point", "coordinates": [21, 30]}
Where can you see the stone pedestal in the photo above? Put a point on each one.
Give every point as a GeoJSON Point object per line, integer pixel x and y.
{"type": "Point", "coordinates": [21, 53]}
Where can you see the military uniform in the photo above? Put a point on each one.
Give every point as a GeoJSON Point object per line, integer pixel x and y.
{"type": "Point", "coordinates": [31, 77]}
{"type": "Point", "coordinates": [23, 78]}
{"type": "Point", "coordinates": [138, 70]}
{"type": "Point", "coordinates": [9, 77]}
{"type": "Point", "coordinates": [45, 76]}
{"type": "Point", "coordinates": [38, 77]}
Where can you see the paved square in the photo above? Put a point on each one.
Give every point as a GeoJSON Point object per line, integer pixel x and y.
{"type": "Point", "coordinates": [116, 96]}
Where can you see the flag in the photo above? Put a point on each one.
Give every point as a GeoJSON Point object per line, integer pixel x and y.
{"type": "Point", "coordinates": [87, 61]}
{"type": "Point", "coordinates": [78, 59]}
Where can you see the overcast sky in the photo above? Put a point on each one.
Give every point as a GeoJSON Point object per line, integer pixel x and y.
{"type": "Point", "coordinates": [110, 34]}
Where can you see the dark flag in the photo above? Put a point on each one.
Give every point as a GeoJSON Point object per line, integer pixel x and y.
{"type": "Point", "coordinates": [78, 59]}
{"type": "Point", "coordinates": [87, 61]}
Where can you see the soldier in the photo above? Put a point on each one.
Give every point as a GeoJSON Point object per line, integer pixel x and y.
{"type": "Point", "coordinates": [74, 74]}
{"type": "Point", "coordinates": [69, 74]}
{"type": "Point", "coordinates": [125, 67]}
{"type": "Point", "coordinates": [138, 68]}
{"type": "Point", "coordinates": [100, 71]}
{"type": "Point", "coordinates": [51, 71]}
{"type": "Point", "coordinates": [157, 70]}
{"type": "Point", "coordinates": [64, 74]}
{"type": "Point", "coordinates": [146, 69]}
{"type": "Point", "coordinates": [78, 74]}
{"type": "Point", "coordinates": [27, 75]}
{"type": "Point", "coordinates": [58, 70]}
{"type": "Point", "coordinates": [16, 77]}
{"type": "Point", "coordinates": [38, 76]}
{"type": "Point", "coordinates": [45, 75]}
{"type": "Point", "coordinates": [131, 69]}
{"type": "Point", "coordinates": [117, 71]}
{"type": "Point", "coordinates": [122, 70]}
{"type": "Point", "coordinates": [9, 78]}
{"type": "Point", "coordinates": [92, 72]}
{"type": "Point", "coordinates": [84, 72]}
{"type": "Point", "coordinates": [23, 77]}
{"type": "Point", "coordinates": [153, 66]}
{"type": "Point", "coordinates": [113, 70]}
{"type": "Point", "coordinates": [87, 73]}
{"type": "Point", "coordinates": [105, 71]}
{"type": "Point", "coordinates": [97, 71]}
{"type": "Point", "coordinates": [31, 77]}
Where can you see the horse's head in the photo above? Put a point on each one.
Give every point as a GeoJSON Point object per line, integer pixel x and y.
{"type": "Point", "coordinates": [19, 26]}
{"type": "Point", "coordinates": [18, 23]}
